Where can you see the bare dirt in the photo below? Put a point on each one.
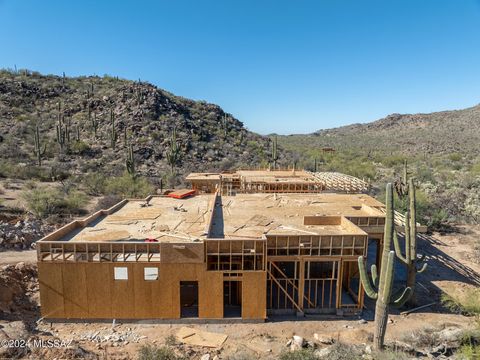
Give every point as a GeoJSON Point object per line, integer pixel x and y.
{"type": "Point", "coordinates": [452, 269]}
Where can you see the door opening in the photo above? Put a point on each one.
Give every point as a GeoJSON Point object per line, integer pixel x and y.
{"type": "Point", "coordinates": [232, 299]}
{"type": "Point", "coordinates": [188, 299]}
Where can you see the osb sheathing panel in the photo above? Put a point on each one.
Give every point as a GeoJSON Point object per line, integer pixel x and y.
{"type": "Point", "coordinates": [51, 290]}
{"type": "Point", "coordinates": [190, 253]}
{"type": "Point", "coordinates": [89, 290]}
{"type": "Point", "coordinates": [123, 293]}
{"type": "Point", "coordinates": [211, 295]}
{"type": "Point", "coordinates": [99, 296]}
{"type": "Point", "coordinates": [75, 290]}
{"type": "Point", "coordinates": [143, 292]}
{"type": "Point", "coordinates": [254, 296]}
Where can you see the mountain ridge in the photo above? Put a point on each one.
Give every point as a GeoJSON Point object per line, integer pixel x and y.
{"type": "Point", "coordinates": [443, 131]}
{"type": "Point", "coordinates": [144, 115]}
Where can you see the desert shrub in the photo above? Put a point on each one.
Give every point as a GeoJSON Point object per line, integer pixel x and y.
{"type": "Point", "coordinates": [23, 172]}
{"type": "Point", "coordinates": [391, 161]}
{"type": "Point", "coordinates": [150, 352]}
{"type": "Point", "coordinates": [455, 157]}
{"type": "Point", "coordinates": [43, 202]}
{"type": "Point", "coordinates": [468, 352]}
{"type": "Point", "coordinates": [106, 202]}
{"type": "Point", "coordinates": [241, 355]}
{"type": "Point", "coordinates": [170, 340]}
{"type": "Point", "coordinates": [128, 186]}
{"type": "Point", "coordinates": [475, 169]}
{"type": "Point", "coordinates": [423, 338]}
{"type": "Point", "coordinates": [468, 304]}
{"type": "Point", "coordinates": [470, 344]}
{"type": "Point", "coordinates": [390, 355]}
{"type": "Point", "coordinates": [94, 183]}
{"type": "Point", "coordinates": [342, 351]}
{"type": "Point", "coordinates": [79, 148]}
{"type": "Point", "coordinates": [302, 354]}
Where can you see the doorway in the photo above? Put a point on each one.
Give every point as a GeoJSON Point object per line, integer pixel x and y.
{"type": "Point", "coordinates": [232, 299]}
{"type": "Point", "coordinates": [188, 299]}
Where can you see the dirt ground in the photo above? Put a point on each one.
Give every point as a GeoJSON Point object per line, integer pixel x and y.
{"type": "Point", "coordinates": [453, 267]}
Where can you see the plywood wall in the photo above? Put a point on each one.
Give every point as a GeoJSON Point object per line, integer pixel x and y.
{"type": "Point", "coordinates": [89, 291]}
{"type": "Point", "coordinates": [254, 295]}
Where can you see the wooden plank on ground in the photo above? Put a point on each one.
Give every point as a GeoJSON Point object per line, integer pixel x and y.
{"type": "Point", "coordinates": [197, 337]}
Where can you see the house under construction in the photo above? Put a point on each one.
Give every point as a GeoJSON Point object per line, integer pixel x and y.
{"type": "Point", "coordinates": [276, 181]}
{"type": "Point", "coordinates": [242, 251]}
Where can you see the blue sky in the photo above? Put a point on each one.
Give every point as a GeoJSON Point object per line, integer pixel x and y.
{"type": "Point", "coordinates": [278, 66]}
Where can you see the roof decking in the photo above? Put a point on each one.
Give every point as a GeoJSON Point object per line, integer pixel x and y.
{"type": "Point", "coordinates": [256, 215]}
{"type": "Point", "coordinates": [244, 216]}
{"type": "Point", "coordinates": [165, 220]}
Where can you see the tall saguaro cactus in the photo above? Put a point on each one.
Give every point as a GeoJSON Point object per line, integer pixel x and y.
{"type": "Point", "coordinates": [410, 259]}
{"type": "Point", "coordinates": [94, 124]}
{"type": "Point", "coordinates": [225, 126]}
{"type": "Point", "coordinates": [274, 153]}
{"type": "Point", "coordinates": [38, 151]}
{"type": "Point", "coordinates": [381, 288]}
{"type": "Point", "coordinates": [173, 151]}
{"type": "Point", "coordinates": [62, 133]}
{"type": "Point", "coordinates": [113, 134]}
{"type": "Point", "coordinates": [130, 161]}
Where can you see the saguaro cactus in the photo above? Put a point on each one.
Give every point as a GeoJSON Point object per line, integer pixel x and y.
{"type": "Point", "coordinates": [130, 161]}
{"type": "Point", "coordinates": [401, 184]}
{"type": "Point", "coordinates": [61, 133]}
{"type": "Point", "coordinates": [113, 134]}
{"type": "Point", "coordinates": [94, 125]}
{"type": "Point", "coordinates": [410, 259]}
{"type": "Point", "coordinates": [381, 288]}
{"type": "Point", "coordinates": [77, 134]}
{"type": "Point", "coordinates": [38, 151]}
{"type": "Point", "coordinates": [225, 123]}
{"type": "Point", "coordinates": [274, 153]}
{"type": "Point", "coordinates": [173, 151]}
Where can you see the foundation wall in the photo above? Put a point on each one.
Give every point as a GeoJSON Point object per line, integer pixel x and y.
{"type": "Point", "coordinates": [89, 291]}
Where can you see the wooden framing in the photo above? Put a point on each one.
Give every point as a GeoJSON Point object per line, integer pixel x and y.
{"type": "Point", "coordinates": [306, 266]}
{"type": "Point", "coordinates": [276, 181]}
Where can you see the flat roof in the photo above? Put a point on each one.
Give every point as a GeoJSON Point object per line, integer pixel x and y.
{"type": "Point", "coordinates": [165, 220]}
{"type": "Point", "coordinates": [243, 216]}
{"type": "Point", "coordinates": [256, 215]}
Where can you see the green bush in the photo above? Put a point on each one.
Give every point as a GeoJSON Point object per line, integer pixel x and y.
{"type": "Point", "coordinates": [455, 157]}
{"type": "Point", "coordinates": [128, 186]}
{"type": "Point", "coordinates": [43, 202]}
{"type": "Point", "coordinates": [79, 147]}
{"type": "Point", "coordinates": [468, 304]}
{"type": "Point", "coordinates": [302, 354]}
{"type": "Point", "coordinates": [94, 183]}
{"type": "Point", "coordinates": [150, 352]}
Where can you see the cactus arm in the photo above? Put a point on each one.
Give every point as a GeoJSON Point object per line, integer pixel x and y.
{"type": "Point", "coordinates": [367, 285]}
{"type": "Point", "coordinates": [398, 251]}
{"type": "Point", "coordinates": [422, 269]}
{"type": "Point", "coordinates": [403, 298]}
{"type": "Point", "coordinates": [374, 275]}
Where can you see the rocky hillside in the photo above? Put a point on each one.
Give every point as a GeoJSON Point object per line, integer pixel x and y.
{"type": "Point", "coordinates": [144, 115]}
{"type": "Point", "coordinates": [439, 132]}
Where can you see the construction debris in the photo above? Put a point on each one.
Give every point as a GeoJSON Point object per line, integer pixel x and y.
{"type": "Point", "coordinates": [197, 337]}
{"type": "Point", "coordinates": [112, 336]}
